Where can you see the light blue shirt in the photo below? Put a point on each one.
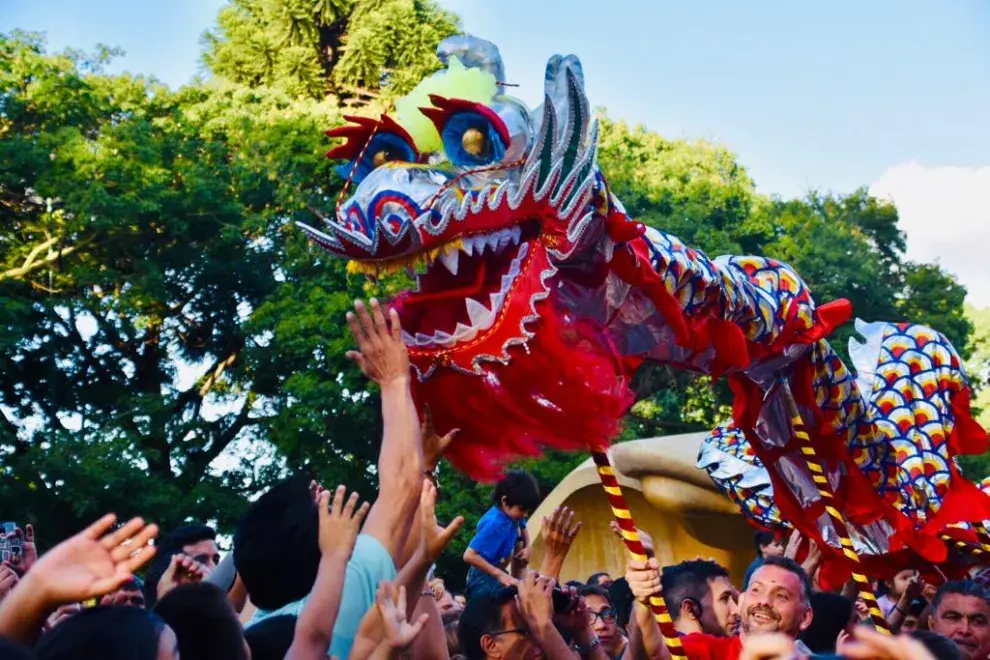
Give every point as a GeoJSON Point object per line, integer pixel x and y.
{"type": "Point", "coordinates": [369, 564]}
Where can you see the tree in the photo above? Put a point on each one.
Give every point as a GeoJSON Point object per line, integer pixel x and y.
{"type": "Point", "coordinates": [315, 48]}
{"type": "Point", "coordinates": [978, 370]}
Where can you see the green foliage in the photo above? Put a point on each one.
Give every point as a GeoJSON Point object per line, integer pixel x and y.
{"type": "Point", "coordinates": [978, 369]}
{"type": "Point", "coordinates": [344, 48]}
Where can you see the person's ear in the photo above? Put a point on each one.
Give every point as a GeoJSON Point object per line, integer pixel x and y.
{"type": "Point", "coordinates": [806, 618]}
{"type": "Point", "coordinates": [490, 646]}
{"type": "Point", "coordinates": [504, 502]}
{"type": "Point", "coordinates": [690, 609]}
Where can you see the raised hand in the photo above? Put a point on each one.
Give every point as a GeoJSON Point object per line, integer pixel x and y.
{"type": "Point", "coordinates": [643, 578]}
{"type": "Point", "coordinates": [536, 600]}
{"type": "Point", "coordinates": [381, 354]}
{"type": "Point", "coordinates": [793, 545]}
{"type": "Point", "coordinates": [434, 445]}
{"type": "Point", "coordinates": [8, 580]}
{"type": "Point", "coordinates": [29, 550]}
{"type": "Point", "coordinates": [644, 538]}
{"type": "Point", "coordinates": [94, 562]}
{"type": "Point", "coordinates": [182, 569]}
{"type": "Point", "coordinates": [339, 522]}
{"type": "Point", "coordinates": [560, 529]}
{"type": "Point", "coordinates": [434, 538]}
{"type": "Point", "coordinates": [391, 603]}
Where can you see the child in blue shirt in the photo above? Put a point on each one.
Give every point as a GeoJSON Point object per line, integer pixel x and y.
{"type": "Point", "coordinates": [501, 535]}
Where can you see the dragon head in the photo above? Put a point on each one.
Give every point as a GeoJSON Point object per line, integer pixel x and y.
{"type": "Point", "coordinates": [485, 203]}
{"type": "Point", "coordinates": [477, 197]}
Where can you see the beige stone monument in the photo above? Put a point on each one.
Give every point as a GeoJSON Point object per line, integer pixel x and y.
{"type": "Point", "coordinates": [669, 497]}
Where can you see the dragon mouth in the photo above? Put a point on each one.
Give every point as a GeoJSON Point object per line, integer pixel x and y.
{"type": "Point", "coordinates": [464, 289]}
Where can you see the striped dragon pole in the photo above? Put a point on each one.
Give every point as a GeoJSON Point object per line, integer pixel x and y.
{"type": "Point", "coordinates": [620, 509]}
{"type": "Point", "coordinates": [974, 550]}
{"type": "Point", "coordinates": [814, 464]}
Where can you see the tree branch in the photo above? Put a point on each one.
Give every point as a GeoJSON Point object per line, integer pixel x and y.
{"type": "Point", "coordinates": [30, 265]}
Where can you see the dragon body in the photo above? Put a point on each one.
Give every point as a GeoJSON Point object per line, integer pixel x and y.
{"type": "Point", "coordinates": [537, 296]}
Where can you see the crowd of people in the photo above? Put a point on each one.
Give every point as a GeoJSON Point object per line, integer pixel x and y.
{"type": "Point", "coordinates": [317, 573]}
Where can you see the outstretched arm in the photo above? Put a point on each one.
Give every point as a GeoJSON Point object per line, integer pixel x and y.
{"type": "Point", "coordinates": [383, 358]}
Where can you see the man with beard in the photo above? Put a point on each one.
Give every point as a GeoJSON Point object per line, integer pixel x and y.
{"type": "Point", "coordinates": [701, 598]}
{"type": "Point", "coordinates": [777, 601]}
{"type": "Point", "coordinates": [961, 612]}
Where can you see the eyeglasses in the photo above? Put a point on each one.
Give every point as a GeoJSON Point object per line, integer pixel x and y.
{"type": "Point", "coordinates": [518, 631]}
{"type": "Point", "coordinates": [607, 615]}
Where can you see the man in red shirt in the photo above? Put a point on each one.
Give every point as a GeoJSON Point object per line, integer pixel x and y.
{"type": "Point", "coordinates": [776, 601]}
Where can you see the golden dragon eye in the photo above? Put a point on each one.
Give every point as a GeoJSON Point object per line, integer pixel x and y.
{"type": "Point", "coordinates": [474, 142]}
{"type": "Point", "coordinates": [380, 158]}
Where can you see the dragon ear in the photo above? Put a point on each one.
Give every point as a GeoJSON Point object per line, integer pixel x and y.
{"type": "Point", "coordinates": [474, 53]}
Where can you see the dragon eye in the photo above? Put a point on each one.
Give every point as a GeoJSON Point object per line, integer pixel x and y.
{"type": "Point", "coordinates": [370, 144]}
{"type": "Point", "coordinates": [470, 140]}
{"type": "Point", "coordinates": [383, 148]}
{"type": "Point", "coordinates": [473, 134]}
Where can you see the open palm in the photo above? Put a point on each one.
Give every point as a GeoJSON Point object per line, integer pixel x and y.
{"type": "Point", "coordinates": [93, 563]}
{"type": "Point", "coordinates": [391, 602]}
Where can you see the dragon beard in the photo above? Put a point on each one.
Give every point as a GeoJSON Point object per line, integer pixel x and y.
{"type": "Point", "coordinates": [564, 389]}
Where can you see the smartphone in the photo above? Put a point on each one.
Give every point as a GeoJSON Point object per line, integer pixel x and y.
{"type": "Point", "coordinates": [11, 541]}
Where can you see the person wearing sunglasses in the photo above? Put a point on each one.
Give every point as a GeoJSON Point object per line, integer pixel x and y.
{"type": "Point", "coordinates": [604, 621]}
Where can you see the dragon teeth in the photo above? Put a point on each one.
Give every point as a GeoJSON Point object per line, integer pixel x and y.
{"type": "Point", "coordinates": [493, 241]}
{"type": "Point", "coordinates": [450, 260]}
{"type": "Point", "coordinates": [478, 313]}
{"type": "Point", "coordinates": [468, 246]}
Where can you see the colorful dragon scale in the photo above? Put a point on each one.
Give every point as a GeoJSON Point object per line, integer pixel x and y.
{"type": "Point", "coordinates": [904, 409]}
{"type": "Point", "coordinates": [537, 296]}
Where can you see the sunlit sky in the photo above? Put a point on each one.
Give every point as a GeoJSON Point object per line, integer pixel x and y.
{"type": "Point", "coordinates": [892, 94]}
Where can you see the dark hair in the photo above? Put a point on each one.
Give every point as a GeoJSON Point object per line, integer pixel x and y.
{"type": "Point", "coordinates": [831, 614]}
{"type": "Point", "coordinates": [594, 590]}
{"type": "Point", "coordinates": [172, 544]}
{"type": "Point", "coordinates": [204, 622]}
{"type": "Point", "coordinates": [271, 638]}
{"type": "Point", "coordinates": [518, 488]}
{"type": "Point", "coordinates": [688, 581]}
{"type": "Point", "coordinates": [960, 588]}
{"type": "Point", "coordinates": [595, 577]}
{"type": "Point", "coordinates": [110, 633]}
{"type": "Point", "coordinates": [577, 584]}
{"type": "Point", "coordinates": [622, 599]}
{"type": "Point", "coordinates": [940, 646]}
{"type": "Point", "coordinates": [276, 547]}
{"type": "Point", "coordinates": [789, 564]}
{"type": "Point", "coordinates": [761, 539]}
{"type": "Point", "coordinates": [482, 616]}
{"type": "Point", "coordinates": [11, 650]}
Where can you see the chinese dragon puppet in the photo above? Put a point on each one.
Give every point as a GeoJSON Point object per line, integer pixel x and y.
{"type": "Point", "coordinates": [537, 297]}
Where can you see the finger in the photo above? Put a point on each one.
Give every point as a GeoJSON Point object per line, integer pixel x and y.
{"type": "Point", "coordinates": [447, 439]}
{"type": "Point", "coordinates": [338, 501]}
{"type": "Point", "coordinates": [419, 623]}
{"type": "Point", "coordinates": [362, 512]}
{"type": "Point", "coordinates": [29, 533]}
{"type": "Point", "coordinates": [365, 321]}
{"type": "Point", "coordinates": [349, 506]}
{"type": "Point", "coordinates": [138, 560]}
{"type": "Point", "coordinates": [396, 324]}
{"type": "Point", "coordinates": [99, 528]}
{"type": "Point", "coordinates": [574, 530]}
{"type": "Point", "coordinates": [381, 328]}
{"type": "Point", "coordinates": [114, 539]}
{"type": "Point", "coordinates": [450, 531]}
{"type": "Point", "coordinates": [401, 600]}
{"type": "Point", "coordinates": [356, 331]}
{"type": "Point", "coordinates": [138, 541]}
{"type": "Point", "coordinates": [323, 504]}
{"type": "Point", "coordinates": [358, 359]}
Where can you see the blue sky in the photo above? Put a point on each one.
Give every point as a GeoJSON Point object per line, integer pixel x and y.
{"type": "Point", "coordinates": [894, 94]}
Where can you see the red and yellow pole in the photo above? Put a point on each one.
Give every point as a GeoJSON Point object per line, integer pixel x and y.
{"type": "Point", "coordinates": [620, 509]}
